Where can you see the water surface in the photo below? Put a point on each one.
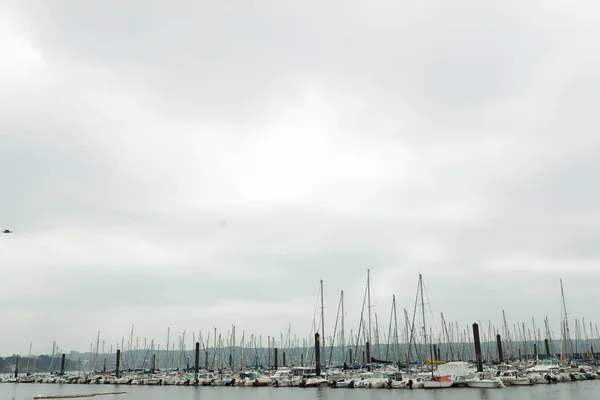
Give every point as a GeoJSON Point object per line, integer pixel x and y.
{"type": "Point", "coordinates": [585, 390]}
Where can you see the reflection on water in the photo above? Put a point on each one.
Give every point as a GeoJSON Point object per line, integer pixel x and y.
{"type": "Point", "coordinates": [321, 392]}
{"type": "Point", "coordinates": [585, 390]}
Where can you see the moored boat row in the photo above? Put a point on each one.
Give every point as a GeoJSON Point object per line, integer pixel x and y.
{"type": "Point", "coordinates": [452, 374]}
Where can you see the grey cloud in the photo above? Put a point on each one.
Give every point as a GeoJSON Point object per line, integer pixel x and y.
{"type": "Point", "coordinates": [457, 141]}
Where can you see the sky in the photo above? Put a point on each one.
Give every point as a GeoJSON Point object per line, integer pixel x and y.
{"type": "Point", "coordinates": [199, 165]}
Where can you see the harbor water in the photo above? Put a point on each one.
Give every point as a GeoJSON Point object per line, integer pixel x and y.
{"type": "Point", "coordinates": [584, 390]}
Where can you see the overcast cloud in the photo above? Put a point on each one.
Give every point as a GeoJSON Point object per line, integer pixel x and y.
{"type": "Point", "coordinates": [200, 164]}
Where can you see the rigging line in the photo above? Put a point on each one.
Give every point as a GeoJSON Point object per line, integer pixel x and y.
{"type": "Point", "coordinates": [412, 329]}
{"type": "Point", "coordinates": [430, 310]}
{"type": "Point", "coordinates": [387, 347]}
{"type": "Point", "coordinates": [314, 328]}
{"type": "Point", "coordinates": [335, 330]}
{"type": "Point", "coordinates": [360, 324]}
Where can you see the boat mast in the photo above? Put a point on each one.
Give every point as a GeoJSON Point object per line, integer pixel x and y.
{"type": "Point", "coordinates": [167, 356]}
{"type": "Point", "coordinates": [342, 333]}
{"type": "Point", "coordinates": [396, 328]}
{"type": "Point", "coordinates": [564, 323]}
{"type": "Point", "coordinates": [29, 357]}
{"type": "Point", "coordinates": [369, 304]}
{"type": "Point", "coordinates": [431, 351]}
{"type": "Point", "coordinates": [423, 312]}
{"type": "Point", "coordinates": [323, 324]}
{"type": "Point", "coordinates": [376, 337]}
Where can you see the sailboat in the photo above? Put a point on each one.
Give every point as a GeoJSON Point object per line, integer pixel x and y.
{"type": "Point", "coordinates": [433, 381]}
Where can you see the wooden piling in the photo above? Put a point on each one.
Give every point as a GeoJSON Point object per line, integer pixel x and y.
{"type": "Point", "coordinates": [268, 352]}
{"type": "Point", "coordinates": [197, 360]}
{"type": "Point", "coordinates": [104, 365]}
{"type": "Point", "coordinates": [350, 359]}
{"type": "Point", "coordinates": [283, 360]}
{"type": "Point", "coordinates": [368, 350]}
{"type": "Point", "coordinates": [547, 348]}
{"type": "Point", "coordinates": [317, 354]}
{"type": "Point", "coordinates": [17, 366]}
{"type": "Point", "coordinates": [276, 357]}
{"type": "Point", "coordinates": [302, 360]}
{"type": "Point", "coordinates": [118, 366]}
{"type": "Point", "coordinates": [499, 345]}
{"type": "Point", "coordinates": [206, 360]}
{"type": "Point", "coordinates": [535, 352]}
{"type": "Point", "coordinates": [62, 364]}
{"type": "Point", "coordinates": [434, 352]}
{"type": "Point", "coordinates": [477, 348]}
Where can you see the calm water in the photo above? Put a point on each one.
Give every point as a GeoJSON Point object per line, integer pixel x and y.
{"type": "Point", "coordinates": [586, 390]}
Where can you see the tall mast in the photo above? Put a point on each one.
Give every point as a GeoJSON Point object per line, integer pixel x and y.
{"type": "Point", "coordinates": [423, 312]}
{"type": "Point", "coordinates": [564, 322]}
{"type": "Point", "coordinates": [167, 356]}
{"type": "Point", "coordinates": [232, 347]}
{"type": "Point", "coordinates": [29, 357]}
{"type": "Point", "coordinates": [96, 354]}
{"type": "Point", "coordinates": [407, 337]}
{"type": "Point", "coordinates": [342, 333]}
{"type": "Point", "coordinates": [369, 303]}
{"type": "Point", "coordinates": [396, 327]}
{"type": "Point", "coordinates": [323, 324]}
{"type": "Point", "coordinates": [376, 337]}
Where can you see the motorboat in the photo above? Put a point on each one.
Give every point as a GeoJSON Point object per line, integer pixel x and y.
{"type": "Point", "coordinates": [484, 380]}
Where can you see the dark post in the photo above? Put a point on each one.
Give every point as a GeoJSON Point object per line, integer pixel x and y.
{"type": "Point", "coordinates": [230, 361]}
{"type": "Point", "coordinates": [17, 367]}
{"type": "Point", "coordinates": [547, 348]}
{"type": "Point", "coordinates": [206, 360]}
{"type": "Point", "coordinates": [350, 359]}
{"type": "Point", "coordinates": [118, 363]}
{"type": "Point", "coordinates": [104, 366]}
{"type": "Point", "coordinates": [439, 355]}
{"type": "Point", "coordinates": [535, 354]}
{"type": "Point", "coordinates": [368, 349]}
{"type": "Point", "coordinates": [499, 344]}
{"type": "Point", "coordinates": [276, 358]}
{"type": "Point", "coordinates": [197, 361]}
{"type": "Point", "coordinates": [434, 353]}
{"type": "Point", "coordinates": [477, 348]}
{"type": "Point", "coordinates": [187, 363]}
{"type": "Point", "coordinates": [519, 354]}
{"type": "Point", "coordinates": [302, 360]}
{"type": "Point", "coordinates": [317, 354]}
{"type": "Point", "coordinates": [364, 359]}
{"type": "Point", "coordinates": [283, 361]}
{"type": "Point", "coordinates": [62, 364]}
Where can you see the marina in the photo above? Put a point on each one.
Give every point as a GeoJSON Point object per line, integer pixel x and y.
{"type": "Point", "coordinates": [421, 359]}
{"type": "Point", "coordinates": [446, 375]}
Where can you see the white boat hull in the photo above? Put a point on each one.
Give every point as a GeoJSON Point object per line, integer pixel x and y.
{"type": "Point", "coordinates": [485, 384]}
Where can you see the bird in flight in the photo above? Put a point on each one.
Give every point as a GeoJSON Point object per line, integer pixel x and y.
{"type": "Point", "coordinates": [6, 231]}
